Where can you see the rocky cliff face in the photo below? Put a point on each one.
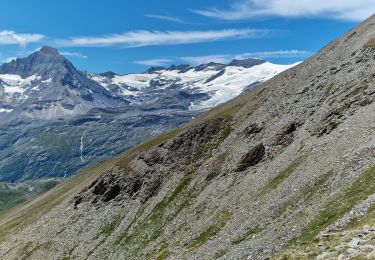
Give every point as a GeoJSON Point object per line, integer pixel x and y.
{"type": "Point", "coordinates": [260, 176]}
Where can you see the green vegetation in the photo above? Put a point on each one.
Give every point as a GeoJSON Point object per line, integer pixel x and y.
{"type": "Point", "coordinates": [226, 132]}
{"type": "Point", "coordinates": [229, 111]}
{"type": "Point", "coordinates": [204, 150]}
{"type": "Point", "coordinates": [328, 90]}
{"type": "Point", "coordinates": [14, 194]}
{"type": "Point", "coordinates": [306, 193]}
{"type": "Point", "coordinates": [360, 189]}
{"type": "Point", "coordinates": [108, 228]}
{"type": "Point", "coordinates": [141, 232]}
{"type": "Point", "coordinates": [14, 219]}
{"type": "Point", "coordinates": [276, 181]}
{"type": "Point", "coordinates": [159, 209]}
{"type": "Point", "coordinates": [368, 219]}
{"type": "Point", "coordinates": [370, 44]}
{"type": "Point", "coordinates": [28, 250]}
{"type": "Point", "coordinates": [220, 220]}
{"type": "Point", "coordinates": [248, 235]}
{"type": "Point", "coordinates": [221, 253]}
{"type": "Point", "coordinates": [160, 253]}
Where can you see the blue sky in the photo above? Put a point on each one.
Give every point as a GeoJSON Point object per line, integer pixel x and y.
{"type": "Point", "coordinates": [129, 36]}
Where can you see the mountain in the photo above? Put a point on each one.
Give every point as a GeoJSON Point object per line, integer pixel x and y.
{"type": "Point", "coordinates": [213, 83]}
{"type": "Point", "coordinates": [45, 86]}
{"type": "Point", "coordinates": [285, 170]}
{"type": "Point", "coordinates": [56, 120]}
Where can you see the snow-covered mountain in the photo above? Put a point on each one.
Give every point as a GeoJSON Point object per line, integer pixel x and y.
{"type": "Point", "coordinates": [219, 81]}
{"type": "Point", "coordinates": [56, 120]}
{"type": "Point", "coordinates": [46, 86]}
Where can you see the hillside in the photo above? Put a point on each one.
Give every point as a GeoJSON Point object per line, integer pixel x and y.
{"type": "Point", "coordinates": [260, 176]}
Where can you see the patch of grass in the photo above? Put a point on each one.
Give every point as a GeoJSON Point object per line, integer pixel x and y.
{"type": "Point", "coordinates": [359, 190]}
{"type": "Point", "coordinates": [248, 235]}
{"type": "Point", "coordinates": [28, 251]}
{"type": "Point", "coordinates": [279, 178]}
{"type": "Point", "coordinates": [163, 255]}
{"type": "Point", "coordinates": [204, 151]}
{"type": "Point", "coordinates": [368, 219]}
{"type": "Point", "coordinates": [108, 228]}
{"type": "Point", "coordinates": [160, 253]}
{"type": "Point", "coordinates": [148, 230]}
{"type": "Point", "coordinates": [70, 253]}
{"type": "Point", "coordinates": [370, 44]}
{"type": "Point", "coordinates": [306, 192]}
{"type": "Point", "coordinates": [228, 111]}
{"type": "Point", "coordinates": [20, 216]}
{"type": "Point", "coordinates": [162, 205]}
{"type": "Point", "coordinates": [221, 253]}
{"type": "Point", "coordinates": [328, 90]}
{"type": "Point", "coordinates": [220, 221]}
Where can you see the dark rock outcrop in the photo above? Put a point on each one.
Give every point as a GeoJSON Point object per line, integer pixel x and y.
{"type": "Point", "coordinates": [251, 158]}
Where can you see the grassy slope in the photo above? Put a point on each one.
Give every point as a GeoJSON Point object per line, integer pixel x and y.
{"type": "Point", "coordinates": [307, 242]}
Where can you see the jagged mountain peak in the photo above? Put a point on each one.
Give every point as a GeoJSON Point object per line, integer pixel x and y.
{"type": "Point", "coordinates": [48, 50]}
{"type": "Point", "coordinates": [45, 62]}
{"type": "Point", "coordinates": [46, 85]}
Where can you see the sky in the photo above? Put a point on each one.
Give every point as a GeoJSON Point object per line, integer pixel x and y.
{"type": "Point", "coordinates": [126, 36]}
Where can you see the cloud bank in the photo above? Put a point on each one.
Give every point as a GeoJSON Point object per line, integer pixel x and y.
{"type": "Point", "coordinates": [156, 38]}
{"type": "Point", "coordinates": [165, 18]}
{"type": "Point", "coordinates": [21, 39]}
{"type": "Point", "coordinates": [350, 10]}
{"type": "Point", "coordinates": [73, 54]}
{"type": "Point", "coordinates": [226, 58]}
{"type": "Point", "coordinates": [154, 62]}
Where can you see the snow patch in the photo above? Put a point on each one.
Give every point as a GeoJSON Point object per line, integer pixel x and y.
{"type": "Point", "coordinates": [5, 110]}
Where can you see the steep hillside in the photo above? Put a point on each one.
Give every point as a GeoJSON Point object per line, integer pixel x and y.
{"type": "Point", "coordinates": [260, 176]}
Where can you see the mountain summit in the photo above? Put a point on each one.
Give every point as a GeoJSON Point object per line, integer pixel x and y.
{"type": "Point", "coordinates": [45, 85]}
{"type": "Point", "coordinates": [47, 50]}
{"type": "Point", "coordinates": [45, 62]}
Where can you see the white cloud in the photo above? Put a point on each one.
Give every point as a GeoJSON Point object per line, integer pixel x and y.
{"type": "Point", "coordinates": [154, 62]}
{"type": "Point", "coordinates": [73, 54]}
{"type": "Point", "coordinates": [22, 39]}
{"type": "Point", "coordinates": [165, 18]}
{"type": "Point", "coordinates": [226, 58]}
{"type": "Point", "coordinates": [153, 38]}
{"type": "Point", "coordinates": [197, 60]}
{"type": "Point", "coordinates": [351, 10]}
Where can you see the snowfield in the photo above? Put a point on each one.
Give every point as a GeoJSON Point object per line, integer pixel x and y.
{"type": "Point", "coordinates": [222, 85]}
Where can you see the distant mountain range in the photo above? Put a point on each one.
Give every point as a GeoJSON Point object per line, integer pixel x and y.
{"type": "Point", "coordinates": [56, 119]}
